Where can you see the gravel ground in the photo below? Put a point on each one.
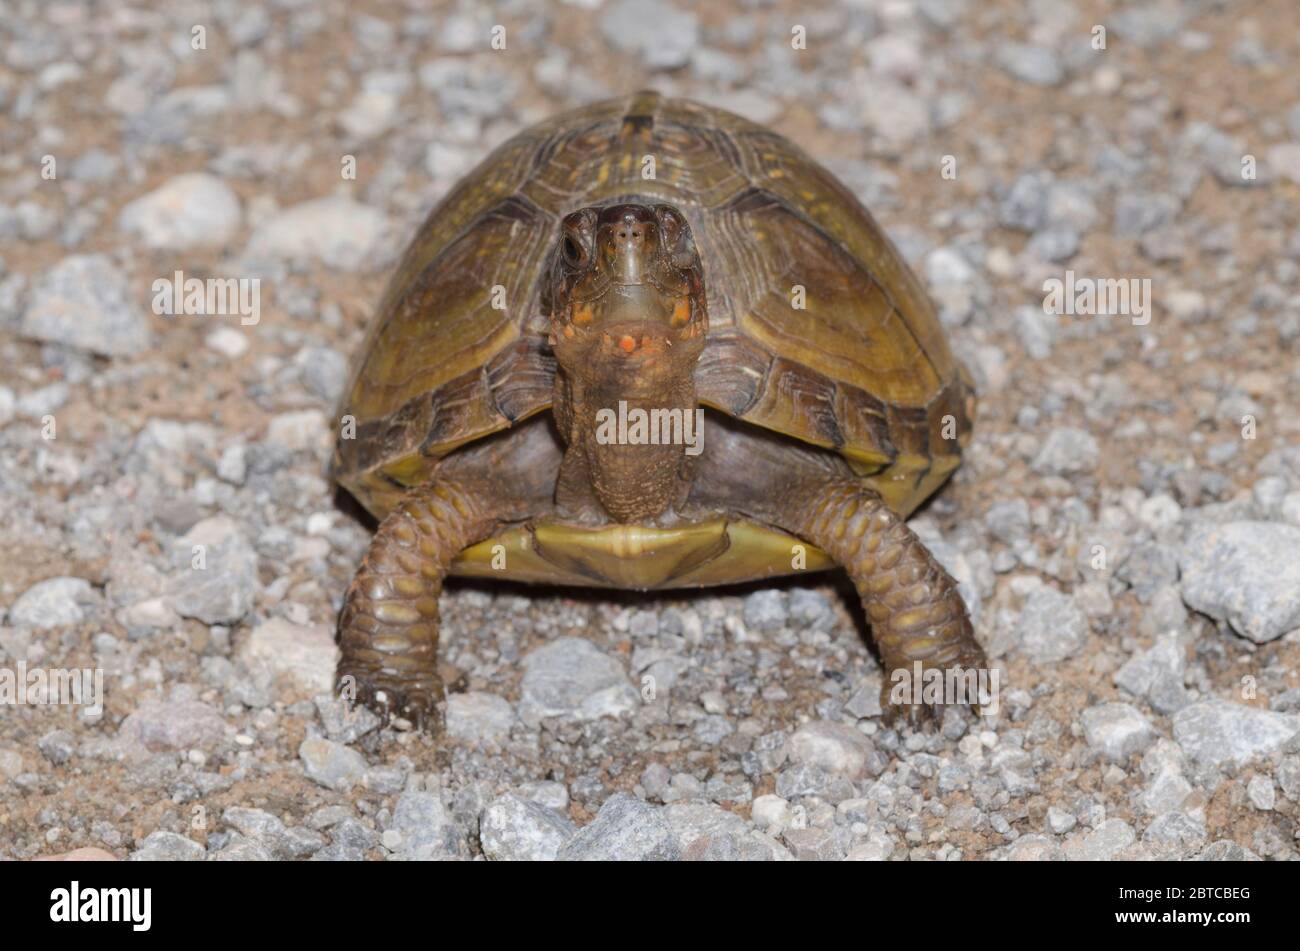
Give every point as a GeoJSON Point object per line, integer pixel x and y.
{"type": "Point", "coordinates": [1126, 526]}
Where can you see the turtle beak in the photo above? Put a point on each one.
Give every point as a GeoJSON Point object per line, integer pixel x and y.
{"type": "Point", "coordinates": [628, 244]}
{"type": "Point", "coordinates": [629, 254]}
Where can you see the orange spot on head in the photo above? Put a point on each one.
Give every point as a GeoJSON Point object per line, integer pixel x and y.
{"type": "Point", "coordinates": [627, 343]}
{"type": "Point", "coordinates": [681, 312]}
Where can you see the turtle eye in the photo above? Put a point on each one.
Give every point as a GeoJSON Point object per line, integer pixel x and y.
{"type": "Point", "coordinates": [670, 225]}
{"type": "Point", "coordinates": [573, 251]}
{"type": "Point", "coordinates": [677, 240]}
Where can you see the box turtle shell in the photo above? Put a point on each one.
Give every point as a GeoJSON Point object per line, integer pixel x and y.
{"type": "Point", "coordinates": [862, 367]}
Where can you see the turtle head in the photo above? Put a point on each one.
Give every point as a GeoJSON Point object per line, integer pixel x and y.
{"type": "Point", "coordinates": [626, 297]}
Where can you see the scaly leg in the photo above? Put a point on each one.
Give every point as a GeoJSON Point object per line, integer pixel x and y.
{"type": "Point", "coordinates": [388, 629]}
{"type": "Point", "coordinates": [915, 610]}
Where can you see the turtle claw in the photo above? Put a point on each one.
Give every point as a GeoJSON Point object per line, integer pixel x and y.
{"type": "Point", "coordinates": [398, 703]}
{"type": "Point", "coordinates": [916, 716]}
{"type": "Point", "coordinates": [917, 713]}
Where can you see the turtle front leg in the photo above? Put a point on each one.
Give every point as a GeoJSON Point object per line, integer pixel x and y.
{"type": "Point", "coordinates": [916, 612]}
{"type": "Point", "coordinates": [388, 628]}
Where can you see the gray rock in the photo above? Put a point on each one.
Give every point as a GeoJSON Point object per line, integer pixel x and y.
{"type": "Point", "coordinates": [85, 302]}
{"type": "Point", "coordinates": [1220, 155]}
{"type": "Point", "coordinates": [54, 602]}
{"type": "Point", "coordinates": [232, 467]}
{"type": "Point", "coordinates": [1165, 614]}
{"type": "Point", "coordinates": [834, 747]}
{"type": "Point", "coordinates": [712, 730]}
{"type": "Point", "coordinates": [1156, 674]}
{"type": "Point", "coordinates": [477, 717]}
{"type": "Point", "coordinates": [1060, 821]}
{"type": "Point", "coordinates": [1024, 206]}
{"type": "Point", "coordinates": [895, 113]}
{"type": "Point", "coordinates": [1008, 521]}
{"type": "Point", "coordinates": [331, 764]}
{"type": "Point", "coordinates": [187, 211]}
{"type": "Point", "coordinates": [547, 793]}
{"type": "Point", "coordinates": [865, 701]}
{"type": "Point", "coordinates": [656, 780]}
{"type": "Point", "coordinates": [1262, 793]}
{"type": "Point", "coordinates": [570, 677]}
{"type": "Point", "coordinates": [1168, 695]}
{"type": "Point", "coordinates": [1067, 451]}
{"type": "Point", "coordinates": [804, 780]}
{"type": "Point", "coordinates": [180, 723]}
{"type": "Point", "coordinates": [709, 833]}
{"type": "Point", "coordinates": [1137, 213]}
{"type": "Point", "coordinates": [1054, 244]}
{"type": "Point", "coordinates": [659, 34]}
{"type": "Point", "coordinates": [240, 849]}
{"type": "Point", "coordinates": [95, 166]}
{"type": "Point", "coordinates": [517, 829]}
{"type": "Point", "coordinates": [339, 853]}
{"type": "Point", "coordinates": [350, 840]}
{"type": "Point", "coordinates": [1034, 848]}
{"type": "Point", "coordinates": [1035, 330]}
{"type": "Point", "coordinates": [336, 231]}
{"type": "Point", "coordinates": [371, 113]}
{"type": "Point", "coordinates": [426, 830]}
{"type": "Point", "coordinates": [1117, 730]}
{"type": "Point", "coordinates": [1288, 777]}
{"type": "Point", "coordinates": [385, 779]}
{"type": "Point", "coordinates": [1218, 732]}
{"type": "Point", "coordinates": [625, 829]}
{"type": "Point", "coordinates": [1031, 64]}
{"type": "Point", "coordinates": [344, 721]}
{"type": "Point", "coordinates": [1050, 626]}
{"type": "Point", "coordinates": [771, 813]}
{"type": "Point", "coordinates": [272, 834]}
{"type": "Point", "coordinates": [811, 609]}
{"type": "Point", "coordinates": [1225, 850]}
{"type": "Point", "coordinates": [164, 846]}
{"type": "Point", "coordinates": [462, 34]}
{"type": "Point", "coordinates": [817, 845]}
{"type": "Point", "coordinates": [324, 372]}
{"type": "Point", "coordinates": [1147, 25]}
{"type": "Point", "coordinates": [948, 266]}
{"type": "Point", "coordinates": [1101, 844]}
{"type": "Point", "coordinates": [1175, 835]}
{"type": "Point", "coordinates": [57, 746]}
{"type": "Point", "coordinates": [302, 657]}
{"type": "Point", "coordinates": [1150, 568]}
{"type": "Point", "coordinates": [1247, 574]}
{"type": "Point", "coordinates": [765, 611]}
{"type": "Point", "coordinates": [1269, 493]}
{"type": "Point", "coordinates": [1287, 701]}
{"type": "Point", "coordinates": [222, 590]}
{"type": "Point", "coordinates": [1165, 792]}
{"type": "Point", "coordinates": [36, 404]}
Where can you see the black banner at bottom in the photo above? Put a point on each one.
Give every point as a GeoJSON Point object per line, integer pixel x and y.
{"type": "Point", "coordinates": [350, 901]}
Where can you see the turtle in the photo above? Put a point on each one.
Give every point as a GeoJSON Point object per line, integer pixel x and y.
{"type": "Point", "coordinates": [648, 344]}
